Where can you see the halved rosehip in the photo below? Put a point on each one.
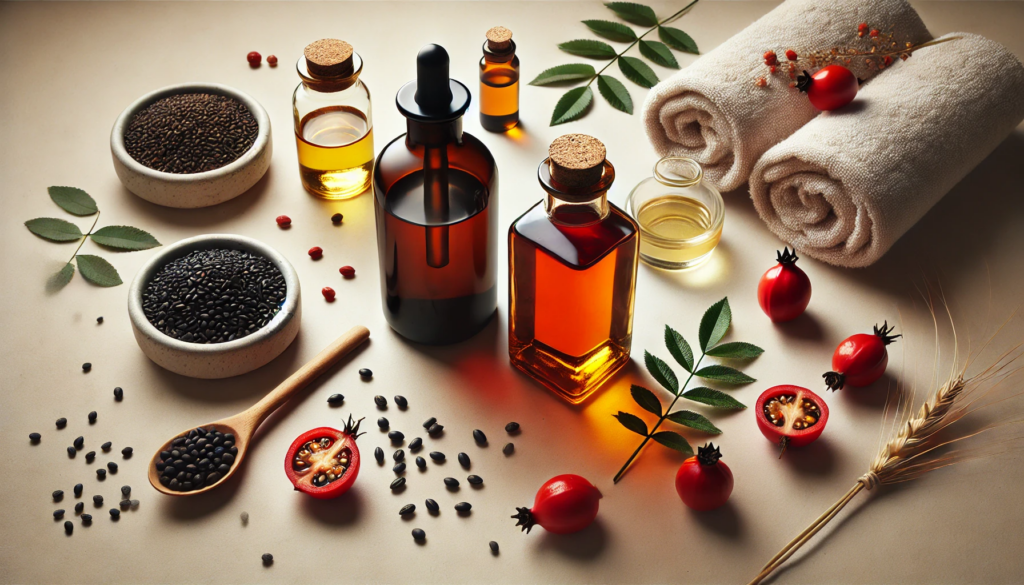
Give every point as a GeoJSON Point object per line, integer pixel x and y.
{"type": "Point", "coordinates": [790, 416]}
{"type": "Point", "coordinates": [324, 462]}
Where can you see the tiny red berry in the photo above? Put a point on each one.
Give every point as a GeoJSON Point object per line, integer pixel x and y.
{"type": "Point", "coordinates": [770, 58]}
{"type": "Point", "coordinates": [254, 58]}
{"type": "Point", "coordinates": [316, 252]}
{"type": "Point", "coordinates": [347, 271]}
{"type": "Point", "coordinates": [283, 221]}
{"type": "Point", "coordinates": [771, 69]}
{"type": "Point", "coordinates": [791, 54]}
{"type": "Point", "coordinates": [761, 82]}
{"type": "Point", "coordinates": [272, 60]}
{"type": "Point", "coordinates": [328, 293]}
{"type": "Point", "coordinates": [874, 32]}
{"type": "Point", "coordinates": [862, 27]}
{"type": "Point", "coordinates": [887, 61]}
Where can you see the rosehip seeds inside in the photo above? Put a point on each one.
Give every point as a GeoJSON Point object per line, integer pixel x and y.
{"type": "Point", "coordinates": [272, 60]}
{"type": "Point", "coordinates": [347, 271]}
{"type": "Point", "coordinates": [254, 58]}
{"type": "Point", "coordinates": [316, 252]}
{"type": "Point", "coordinates": [328, 293]}
{"type": "Point", "coordinates": [284, 221]}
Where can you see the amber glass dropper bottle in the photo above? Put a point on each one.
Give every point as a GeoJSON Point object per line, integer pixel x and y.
{"type": "Point", "coordinates": [499, 82]}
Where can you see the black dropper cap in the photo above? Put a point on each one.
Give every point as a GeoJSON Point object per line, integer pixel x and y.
{"type": "Point", "coordinates": [433, 97]}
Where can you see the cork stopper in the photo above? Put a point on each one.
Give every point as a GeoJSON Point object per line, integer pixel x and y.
{"type": "Point", "coordinates": [499, 39]}
{"type": "Point", "coordinates": [577, 160]}
{"type": "Point", "coordinates": [329, 58]}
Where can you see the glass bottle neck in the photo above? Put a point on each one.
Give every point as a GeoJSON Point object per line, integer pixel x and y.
{"type": "Point", "coordinates": [505, 56]}
{"type": "Point", "coordinates": [576, 206]}
{"type": "Point", "coordinates": [433, 133]}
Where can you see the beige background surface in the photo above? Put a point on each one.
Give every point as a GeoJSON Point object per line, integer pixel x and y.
{"type": "Point", "coordinates": [69, 69]}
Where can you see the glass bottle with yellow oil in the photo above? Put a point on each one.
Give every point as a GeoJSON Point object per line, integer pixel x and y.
{"type": "Point", "coordinates": [572, 274]}
{"type": "Point", "coordinates": [499, 82]}
{"type": "Point", "coordinates": [333, 127]}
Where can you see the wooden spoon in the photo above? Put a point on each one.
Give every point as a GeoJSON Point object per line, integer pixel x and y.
{"type": "Point", "coordinates": [244, 424]}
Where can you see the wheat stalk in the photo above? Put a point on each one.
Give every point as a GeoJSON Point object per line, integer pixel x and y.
{"type": "Point", "coordinates": [917, 444]}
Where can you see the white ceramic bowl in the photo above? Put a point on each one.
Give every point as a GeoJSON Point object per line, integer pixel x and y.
{"type": "Point", "coordinates": [194, 189]}
{"type": "Point", "coordinates": [216, 360]}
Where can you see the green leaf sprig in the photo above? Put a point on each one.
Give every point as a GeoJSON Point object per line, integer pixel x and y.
{"type": "Point", "coordinates": [93, 268]}
{"type": "Point", "coordinates": [574, 103]}
{"type": "Point", "coordinates": [713, 327]}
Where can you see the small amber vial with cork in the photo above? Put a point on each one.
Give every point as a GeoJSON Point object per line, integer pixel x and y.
{"type": "Point", "coordinates": [572, 274]}
{"type": "Point", "coordinates": [333, 127]}
{"type": "Point", "coordinates": [499, 82]}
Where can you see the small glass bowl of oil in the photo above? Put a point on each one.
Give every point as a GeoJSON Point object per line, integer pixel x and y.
{"type": "Point", "coordinates": [680, 216]}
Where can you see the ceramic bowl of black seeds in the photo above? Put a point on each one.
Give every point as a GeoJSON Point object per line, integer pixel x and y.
{"type": "Point", "coordinates": [215, 306]}
{"type": "Point", "coordinates": [191, 145]}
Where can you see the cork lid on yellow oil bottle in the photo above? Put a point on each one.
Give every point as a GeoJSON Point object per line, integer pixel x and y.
{"type": "Point", "coordinates": [329, 58]}
{"type": "Point", "coordinates": [499, 39]}
{"type": "Point", "coordinates": [576, 160]}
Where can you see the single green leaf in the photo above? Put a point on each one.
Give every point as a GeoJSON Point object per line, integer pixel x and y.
{"type": "Point", "coordinates": [61, 278]}
{"type": "Point", "coordinates": [615, 93]}
{"type": "Point", "coordinates": [677, 39]}
{"type": "Point", "coordinates": [637, 71]}
{"type": "Point", "coordinates": [589, 48]}
{"type": "Point", "coordinates": [613, 31]}
{"type": "Point", "coordinates": [562, 73]}
{"type": "Point", "coordinates": [646, 399]}
{"type": "Point", "coordinates": [714, 324]}
{"type": "Point", "coordinates": [736, 350]}
{"type": "Point", "coordinates": [97, 270]}
{"type": "Point", "coordinates": [633, 12]}
{"type": "Point", "coordinates": [571, 105]}
{"type": "Point", "coordinates": [53, 229]}
{"type": "Point", "coordinates": [693, 420]}
{"type": "Point", "coordinates": [632, 422]}
{"type": "Point", "coordinates": [659, 53]}
{"type": "Point", "coordinates": [711, 397]}
{"type": "Point", "coordinates": [673, 440]}
{"type": "Point", "coordinates": [661, 372]}
{"type": "Point", "coordinates": [124, 237]}
{"type": "Point", "coordinates": [679, 348]}
{"type": "Point", "coordinates": [73, 200]}
{"type": "Point", "coordinates": [723, 374]}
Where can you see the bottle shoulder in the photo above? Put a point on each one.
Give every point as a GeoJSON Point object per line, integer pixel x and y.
{"type": "Point", "coordinates": [577, 246]}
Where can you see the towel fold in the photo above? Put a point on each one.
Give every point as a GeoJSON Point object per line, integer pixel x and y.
{"type": "Point", "coordinates": [713, 113]}
{"type": "Point", "coordinates": [848, 184]}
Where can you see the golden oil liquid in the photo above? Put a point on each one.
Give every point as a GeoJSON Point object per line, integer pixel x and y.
{"type": "Point", "coordinates": [499, 97]}
{"type": "Point", "coordinates": [676, 231]}
{"type": "Point", "coordinates": [335, 147]}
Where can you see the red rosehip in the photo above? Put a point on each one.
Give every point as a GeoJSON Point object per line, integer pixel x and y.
{"type": "Point", "coordinates": [254, 58]}
{"type": "Point", "coordinates": [770, 58]}
{"type": "Point", "coordinates": [862, 27]}
{"type": "Point", "coordinates": [347, 271]}
{"type": "Point", "coordinates": [791, 54]}
{"type": "Point", "coordinates": [316, 252]}
{"type": "Point", "coordinates": [283, 221]}
{"type": "Point", "coordinates": [272, 60]}
{"type": "Point", "coordinates": [874, 32]}
{"type": "Point", "coordinates": [830, 88]}
{"type": "Point", "coordinates": [328, 293]}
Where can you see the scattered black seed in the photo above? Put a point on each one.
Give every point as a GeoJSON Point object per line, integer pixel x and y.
{"type": "Point", "coordinates": [78, 490]}
{"type": "Point", "coordinates": [69, 526]}
{"type": "Point", "coordinates": [118, 394]}
{"type": "Point", "coordinates": [336, 218]}
{"type": "Point", "coordinates": [72, 451]}
{"type": "Point", "coordinates": [190, 133]}
{"type": "Point", "coordinates": [421, 463]}
{"type": "Point", "coordinates": [418, 534]}
{"type": "Point", "coordinates": [135, 504]}
{"type": "Point", "coordinates": [429, 422]}
{"type": "Point", "coordinates": [399, 467]}
{"type": "Point", "coordinates": [92, 416]}
{"type": "Point", "coordinates": [380, 401]}
{"type": "Point", "coordinates": [34, 437]}
{"type": "Point", "coordinates": [365, 373]}
{"type": "Point", "coordinates": [335, 399]}
{"type": "Point", "coordinates": [401, 401]}
{"type": "Point", "coordinates": [475, 479]}
{"type": "Point", "coordinates": [90, 456]}
{"type": "Point", "coordinates": [58, 514]}
{"type": "Point", "coordinates": [58, 495]}
{"type": "Point", "coordinates": [115, 513]}
{"type": "Point", "coordinates": [87, 519]}
{"type": "Point", "coordinates": [494, 547]}
{"type": "Point", "coordinates": [437, 456]}
{"type": "Point", "coordinates": [79, 443]}
{"type": "Point", "coordinates": [86, 367]}
{"type": "Point", "coordinates": [479, 436]}
{"type": "Point", "coordinates": [268, 559]}
{"type": "Point", "coordinates": [106, 446]}
{"type": "Point", "coordinates": [396, 436]}
{"type": "Point", "coordinates": [62, 422]}
{"type": "Point", "coordinates": [101, 473]}
{"type": "Point", "coordinates": [432, 506]}
{"type": "Point", "coordinates": [126, 452]}
{"type": "Point", "coordinates": [112, 466]}
{"type": "Point", "coordinates": [97, 500]}
{"type": "Point", "coordinates": [511, 427]}
{"type": "Point", "coordinates": [214, 296]}
{"type": "Point", "coordinates": [435, 429]}
{"type": "Point", "coordinates": [407, 509]}
{"type": "Point", "coordinates": [415, 444]}
{"type": "Point", "coordinates": [399, 455]}
{"type": "Point", "coordinates": [79, 507]}
{"type": "Point", "coordinates": [399, 482]}
{"type": "Point", "coordinates": [125, 504]}
{"type": "Point", "coordinates": [196, 459]}
{"type": "Point", "coordinates": [508, 448]}
{"type": "Point", "coordinates": [451, 482]}
{"type": "Point", "coordinates": [464, 460]}
{"type": "Point", "coordinates": [99, 319]}
{"type": "Point", "coordinates": [126, 490]}
{"type": "Point", "coordinates": [383, 423]}
{"type": "Point", "coordinates": [378, 454]}
{"type": "Point", "coordinates": [463, 507]}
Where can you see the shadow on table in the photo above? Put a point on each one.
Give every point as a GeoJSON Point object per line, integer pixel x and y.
{"type": "Point", "coordinates": [584, 545]}
{"type": "Point", "coordinates": [725, 521]}
{"type": "Point", "coordinates": [343, 511]}
{"type": "Point", "coordinates": [819, 458]}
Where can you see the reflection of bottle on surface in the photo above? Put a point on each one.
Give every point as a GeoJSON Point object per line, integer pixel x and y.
{"type": "Point", "coordinates": [435, 197]}
{"type": "Point", "coordinates": [333, 128]}
{"type": "Point", "coordinates": [572, 272]}
{"type": "Point", "coordinates": [499, 82]}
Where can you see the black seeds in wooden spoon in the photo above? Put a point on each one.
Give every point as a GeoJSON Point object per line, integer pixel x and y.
{"type": "Point", "coordinates": [407, 509]}
{"type": "Point", "coordinates": [437, 456]}
{"type": "Point", "coordinates": [463, 507]}
{"type": "Point", "coordinates": [418, 534]}
{"type": "Point", "coordinates": [475, 479]}
{"type": "Point", "coordinates": [429, 422]}
{"type": "Point", "coordinates": [197, 459]}
{"type": "Point", "coordinates": [508, 448]}
{"type": "Point", "coordinates": [396, 436]}
{"type": "Point", "coordinates": [380, 401]}
{"type": "Point", "coordinates": [335, 399]}
{"type": "Point", "coordinates": [397, 483]}
{"type": "Point", "coordinates": [383, 423]}
{"type": "Point", "coordinates": [415, 444]}
{"type": "Point", "coordinates": [464, 460]}
{"type": "Point", "coordinates": [421, 463]}
{"type": "Point", "coordinates": [378, 454]}
{"type": "Point", "coordinates": [401, 401]}
{"type": "Point", "coordinates": [451, 482]}
{"type": "Point", "coordinates": [479, 436]}
{"type": "Point", "coordinates": [511, 427]}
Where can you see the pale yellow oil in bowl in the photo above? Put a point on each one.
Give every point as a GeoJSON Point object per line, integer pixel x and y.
{"type": "Point", "coordinates": [682, 228]}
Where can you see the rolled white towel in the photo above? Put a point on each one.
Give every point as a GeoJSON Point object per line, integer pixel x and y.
{"type": "Point", "coordinates": [848, 184]}
{"type": "Point", "coordinates": [713, 113]}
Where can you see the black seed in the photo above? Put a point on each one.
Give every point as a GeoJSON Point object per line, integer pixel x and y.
{"type": "Point", "coordinates": [399, 467]}
{"type": "Point", "coordinates": [268, 559]}
{"type": "Point", "coordinates": [399, 455]}
{"type": "Point", "coordinates": [86, 519]}
{"type": "Point", "coordinates": [421, 463]}
{"type": "Point", "coordinates": [34, 437]}
{"type": "Point", "coordinates": [79, 507]}
{"type": "Point", "coordinates": [58, 495]}
{"type": "Point", "coordinates": [101, 473]}
{"type": "Point", "coordinates": [125, 504]}
{"type": "Point", "coordinates": [463, 507]}
{"type": "Point", "coordinates": [435, 429]}
{"type": "Point", "coordinates": [58, 514]}
{"type": "Point", "coordinates": [464, 460]}
{"type": "Point", "coordinates": [79, 443]}
{"type": "Point", "coordinates": [429, 422]}
{"type": "Point", "coordinates": [418, 534]}
{"type": "Point", "coordinates": [494, 547]}
{"type": "Point", "coordinates": [126, 490]}
{"type": "Point", "coordinates": [112, 466]}
{"type": "Point", "coordinates": [92, 416]}
{"type": "Point", "coordinates": [451, 482]}
{"type": "Point", "coordinates": [511, 427]}
{"type": "Point", "coordinates": [99, 319]}
{"type": "Point", "coordinates": [62, 422]}
{"type": "Point", "coordinates": [365, 373]}
{"type": "Point", "coordinates": [508, 448]}
{"type": "Point", "coordinates": [118, 394]}
{"type": "Point", "coordinates": [97, 500]}
{"type": "Point", "coordinates": [106, 446]}
{"type": "Point", "coordinates": [437, 456]}
{"type": "Point", "coordinates": [383, 423]}
{"type": "Point", "coordinates": [475, 479]}
{"type": "Point", "coordinates": [78, 490]}
{"type": "Point", "coordinates": [399, 482]}
{"type": "Point", "coordinates": [380, 401]}
{"type": "Point", "coordinates": [396, 436]}
{"type": "Point", "coordinates": [336, 218]}
{"type": "Point", "coordinates": [415, 444]}
{"type": "Point", "coordinates": [335, 399]}
{"type": "Point", "coordinates": [90, 456]}
{"type": "Point", "coordinates": [479, 436]}
{"type": "Point", "coordinates": [69, 527]}
{"type": "Point", "coordinates": [86, 367]}
{"type": "Point", "coordinates": [401, 401]}
{"type": "Point", "coordinates": [72, 451]}
{"type": "Point", "coordinates": [115, 513]}
{"type": "Point", "coordinates": [126, 452]}
{"type": "Point", "coordinates": [378, 454]}
{"type": "Point", "coordinates": [407, 509]}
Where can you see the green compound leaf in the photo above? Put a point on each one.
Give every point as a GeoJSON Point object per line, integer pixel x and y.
{"type": "Point", "coordinates": [693, 420]}
{"type": "Point", "coordinates": [615, 93]}
{"type": "Point", "coordinates": [563, 73]}
{"type": "Point", "coordinates": [124, 237]}
{"type": "Point", "coordinates": [73, 200]}
{"type": "Point", "coordinates": [633, 12]}
{"type": "Point", "coordinates": [646, 399]}
{"type": "Point", "coordinates": [724, 374]}
{"type": "Point", "coordinates": [677, 39]}
{"type": "Point", "coordinates": [715, 323]}
{"type": "Point", "coordinates": [736, 350]}
{"type": "Point", "coordinates": [661, 372]}
{"type": "Point", "coordinates": [673, 440]}
{"type": "Point", "coordinates": [588, 48]}
{"type": "Point", "coordinates": [658, 53]}
{"type": "Point", "coordinates": [638, 72]}
{"type": "Point", "coordinates": [679, 348]}
{"type": "Point", "coordinates": [613, 31]}
{"type": "Point", "coordinates": [712, 397]}
{"type": "Point", "coordinates": [97, 270]}
{"type": "Point", "coordinates": [571, 105]}
{"type": "Point", "coordinates": [53, 229]}
{"type": "Point", "coordinates": [61, 278]}
{"type": "Point", "coordinates": [632, 422]}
